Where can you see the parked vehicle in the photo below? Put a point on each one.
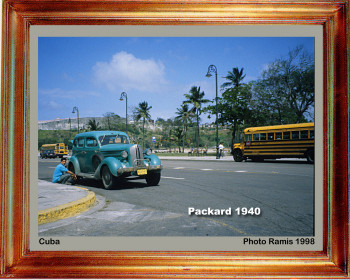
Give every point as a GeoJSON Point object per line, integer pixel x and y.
{"type": "Point", "coordinates": [59, 150]}
{"type": "Point", "coordinates": [109, 156]}
{"type": "Point", "coordinates": [47, 153]}
{"type": "Point", "coordinates": [278, 141]}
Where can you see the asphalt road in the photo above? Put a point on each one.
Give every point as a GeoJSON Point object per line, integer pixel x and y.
{"type": "Point", "coordinates": [279, 196]}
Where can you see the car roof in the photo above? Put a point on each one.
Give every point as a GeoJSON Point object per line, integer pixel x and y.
{"type": "Point", "coordinates": [100, 133]}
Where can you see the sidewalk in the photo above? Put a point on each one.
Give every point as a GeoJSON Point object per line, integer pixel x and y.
{"type": "Point", "coordinates": [196, 158]}
{"type": "Point", "coordinates": [58, 201]}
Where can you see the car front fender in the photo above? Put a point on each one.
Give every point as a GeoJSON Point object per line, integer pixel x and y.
{"type": "Point", "coordinates": [113, 165]}
{"type": "Point", "coordinates": [73, 160]}
{"type": "Point", "coordinates": [153, 159]}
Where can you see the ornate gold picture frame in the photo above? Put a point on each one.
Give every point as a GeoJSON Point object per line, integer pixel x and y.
{"type": "Point", "coordinates": [17, 260]}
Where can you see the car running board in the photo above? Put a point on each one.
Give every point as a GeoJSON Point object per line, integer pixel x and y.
{"type": "Point", "coordinates": [86, 175]}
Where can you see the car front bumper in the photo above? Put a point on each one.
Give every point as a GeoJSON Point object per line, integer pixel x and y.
{"type": "Point", "coordinates": [150, 168]}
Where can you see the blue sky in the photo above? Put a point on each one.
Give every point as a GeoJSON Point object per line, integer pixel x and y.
{"type": "Point", "coordinates": [92, 72]}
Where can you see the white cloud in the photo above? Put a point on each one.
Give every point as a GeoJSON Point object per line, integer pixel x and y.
{"type": "Point", "coordinates": [125, 71]}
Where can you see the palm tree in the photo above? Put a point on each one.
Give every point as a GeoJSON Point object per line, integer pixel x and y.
{"type": "Point", "coordinates": [235, 78]}
{"type": "Point", "coordinates": [196, 99]}
{"type": "Point", "coordinates": [185, 115]}
{"type": "Point", "coordinates": [93, 125]}
{"type": "Point", "coordinates": [178, 134]}
{"type": "Point", "coordinates": [142, 112]}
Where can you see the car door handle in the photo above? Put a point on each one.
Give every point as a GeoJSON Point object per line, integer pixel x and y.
{"type": "Point", "coordinates": [83, 152]}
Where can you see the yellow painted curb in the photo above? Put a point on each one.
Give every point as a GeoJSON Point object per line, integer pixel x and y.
{"type": "Point", "coordinates": [67, 210]}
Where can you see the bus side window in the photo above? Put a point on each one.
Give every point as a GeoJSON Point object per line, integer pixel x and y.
{"type": "Point", "coordinates": [286, 135]}
{"type": "Point", "coordinates": [262, 136]}
{"type": "Point", "coordinates": [304, 134]}
{"type": "Point", "coordinates": [248, 137]}
{"type": "Point", "coordinates": [312, 134]}
{"type": "Point", "coordinates": [256, 136]}
{"type": "Point", "coordinates": [278, 136]}
{"type": "Point", "coordinates": [295, 135]}
{"type": "Point", "coordinates": [270, 136]}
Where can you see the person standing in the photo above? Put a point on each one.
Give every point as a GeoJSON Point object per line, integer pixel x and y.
{"type": "Point", "coordinates": [221, 150]}
{"type": "Point", "coordinates": [62, 175]}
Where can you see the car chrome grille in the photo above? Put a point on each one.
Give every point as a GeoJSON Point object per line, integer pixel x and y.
{"type": "Point", "coordinates": [136, 156]}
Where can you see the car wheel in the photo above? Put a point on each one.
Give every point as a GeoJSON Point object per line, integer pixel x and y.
{"type": "Point", "coordinates": [237, 155]}
{"type": "Point", "coordinates": [310, 156]}
{"type": "Point", "coordinates": [153, 179]}
{"type": "Point", "coordinates": [108, 179]}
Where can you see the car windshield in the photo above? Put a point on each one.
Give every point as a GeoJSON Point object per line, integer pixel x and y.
{"type": "Point", "coordinates": [113, 139]}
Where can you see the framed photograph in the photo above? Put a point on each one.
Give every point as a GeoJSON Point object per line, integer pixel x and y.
{"type": "Point", "coordinates": [76, 62]}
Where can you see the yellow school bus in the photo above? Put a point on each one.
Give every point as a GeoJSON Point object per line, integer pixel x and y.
{"type": "Point", "coordinates": [278, 141]}
{"type": "Point", "coordinates": [53, 150]}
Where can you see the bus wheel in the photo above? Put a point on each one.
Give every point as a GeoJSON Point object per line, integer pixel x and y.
{"type": "Point", "coordinates": [310, 156]}
{"type": "Point", "coordinates": [237, 155]}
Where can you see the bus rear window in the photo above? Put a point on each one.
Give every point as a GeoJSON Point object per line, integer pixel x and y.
{"type": "Point", "coordinates": [312, 134]}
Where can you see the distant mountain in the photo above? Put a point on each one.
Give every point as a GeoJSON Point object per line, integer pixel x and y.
{"type": "Point", "coordinates": [66, 124]}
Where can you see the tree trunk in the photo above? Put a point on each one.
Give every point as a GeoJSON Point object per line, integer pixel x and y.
{"type": "Point", "coordinates": [143, 134]}
{"type": "Point", "coordinates": [197, 132]}
{"type": "Point", "coordinates": [233, 134]}
{"type": "Point", "coordinates": [183, 140]}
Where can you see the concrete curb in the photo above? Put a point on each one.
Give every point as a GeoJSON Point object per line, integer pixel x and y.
{"type": "Point", "coordinates": [67, 210]}
{"type": "Point", "coordinates": [196, 159]}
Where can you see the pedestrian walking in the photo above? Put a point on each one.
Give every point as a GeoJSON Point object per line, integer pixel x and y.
{"type": "Point", "coordinates": [62, 175]}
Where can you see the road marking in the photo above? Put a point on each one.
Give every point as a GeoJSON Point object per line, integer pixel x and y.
{"type": "Point", "coordinates": [179, 168]}
{"type": "Point", "coordinates": [227, 225]}
{"type": "Point", "coordinates": [207, 169]}
{"type": "Point", "coordinates": [173, 178]}
{"type": "Point", "coordinates": [241, 171]}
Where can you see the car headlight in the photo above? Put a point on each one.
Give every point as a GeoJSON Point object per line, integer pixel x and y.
{"type": "Point", "coordinates": [148, 152]}
{"type": "Point", "coordinates": [124, 154]}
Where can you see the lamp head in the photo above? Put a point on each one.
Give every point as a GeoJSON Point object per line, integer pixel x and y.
{"type": "Point", "coordinates": [208, 75]}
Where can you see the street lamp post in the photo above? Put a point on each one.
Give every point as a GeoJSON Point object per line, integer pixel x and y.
{"type": "Point", "coordinates": [126, 109]}
{"type": "Point", "coordinates": [75, 109]}
{"type": "Point", "coordinates": [212, 69]}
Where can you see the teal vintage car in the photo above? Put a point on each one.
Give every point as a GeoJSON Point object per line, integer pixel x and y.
{"type": "Point", "coordinates": [109, 156]}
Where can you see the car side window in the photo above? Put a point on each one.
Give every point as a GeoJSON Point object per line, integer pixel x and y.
{"type": "Point", "coordinates": [91, 142]}
{"type": "Point", "coordinates": [80, 142]}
